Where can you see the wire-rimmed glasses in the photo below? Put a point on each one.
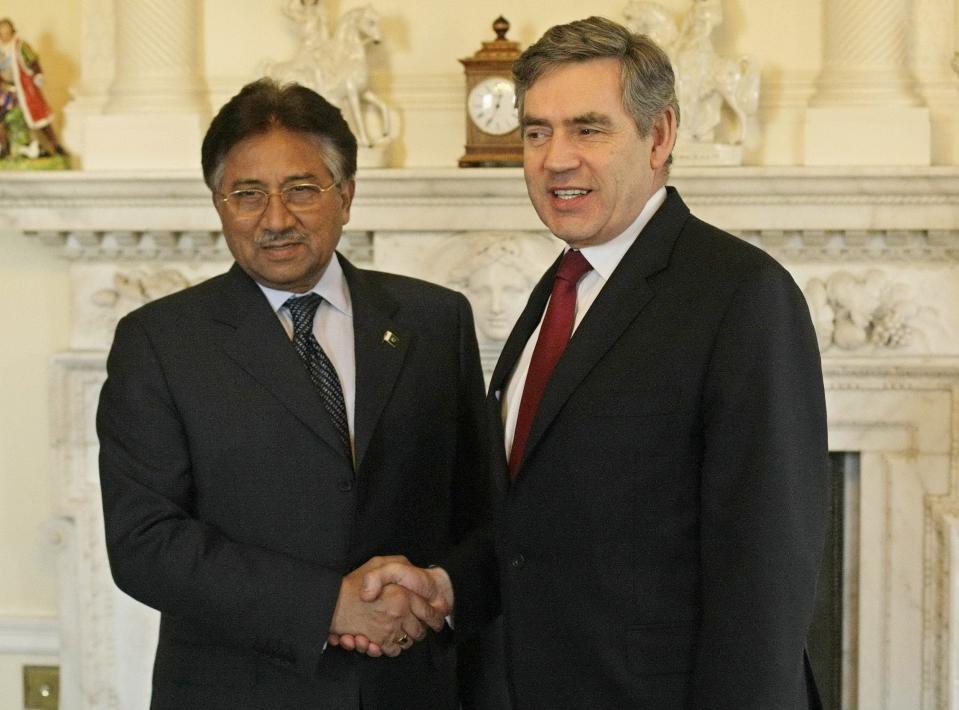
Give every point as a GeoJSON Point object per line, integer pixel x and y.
{"type": "Point", "coordinates": [251, 202]}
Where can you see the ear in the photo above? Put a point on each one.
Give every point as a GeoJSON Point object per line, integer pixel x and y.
{"type": "Point", "coordinates": [664, 138]}
{"type": "Point", "coordinates": [347, 190]}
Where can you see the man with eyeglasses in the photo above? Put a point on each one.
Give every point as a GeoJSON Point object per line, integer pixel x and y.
{"type": "Point", "coordinates": [270, 435]}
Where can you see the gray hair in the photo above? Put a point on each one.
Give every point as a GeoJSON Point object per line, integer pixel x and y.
{"type": "Point", "coordinates": [649, 85]}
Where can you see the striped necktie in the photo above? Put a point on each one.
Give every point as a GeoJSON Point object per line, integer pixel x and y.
{"type": "Point", "coordinates": [322, 372]}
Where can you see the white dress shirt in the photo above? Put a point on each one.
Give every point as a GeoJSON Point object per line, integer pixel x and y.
{"type": "Point", "coordinates": [332, 326]}
{"type": "Point", "coordinates": [604, 258]}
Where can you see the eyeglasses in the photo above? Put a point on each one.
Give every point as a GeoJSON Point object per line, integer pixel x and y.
{"type": "Point", "coordinates": [252, 201]}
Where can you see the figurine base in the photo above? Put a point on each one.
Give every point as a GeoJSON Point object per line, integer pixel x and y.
{"type": "Point", "coordinates": [377, 156]}
{"type": "Point", "coordinates": [43, 162]}
{"type": "Point", "coordinates": [694, 153]}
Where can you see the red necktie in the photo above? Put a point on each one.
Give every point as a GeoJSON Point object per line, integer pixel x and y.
{"type": "Point", "coordinates": [554, 334]}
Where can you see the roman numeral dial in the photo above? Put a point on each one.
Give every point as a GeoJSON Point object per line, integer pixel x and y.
{"type": "Point", "coordinates": [492, 106]}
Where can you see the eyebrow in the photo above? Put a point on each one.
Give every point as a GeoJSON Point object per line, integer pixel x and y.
{"type": "Point", "coordinates": [590, 118]}
{"type": "Point", "coordinates": [254, 182]}
{"type": "Point", "coordinates": [533, 121]}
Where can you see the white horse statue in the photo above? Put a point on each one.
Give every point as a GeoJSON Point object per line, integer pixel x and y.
{"type": "Point", "coordinates": [335, 67]}
{"type": "Point", "coordinates": [705, 82]}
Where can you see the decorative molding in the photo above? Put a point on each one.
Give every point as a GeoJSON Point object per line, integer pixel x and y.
{"type": "Point", "coordinates": [29, 636]}
{"type": "Point", "coordinates": [911, 373]}
{"type": "Point", "coordinates": [813, 245]}
{"type": "Point", "coordinates": [818, 245]}
{"type": "Point", "coordinates": [207, 246]}
{"type": "Point", "coordinates": [858, 311]}
{"type": "Point", "coordinates": [802, 214]}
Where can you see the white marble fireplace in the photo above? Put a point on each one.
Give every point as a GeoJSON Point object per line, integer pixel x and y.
{"type": "Point", "coordinates": [876, 249]}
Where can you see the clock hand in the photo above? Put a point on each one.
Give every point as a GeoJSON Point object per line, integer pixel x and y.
{"type": "Point", "coordinates": [495, 111]}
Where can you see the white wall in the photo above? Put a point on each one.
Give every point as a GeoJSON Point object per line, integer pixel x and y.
{"type": "Point", "coordinates": [34, 317]}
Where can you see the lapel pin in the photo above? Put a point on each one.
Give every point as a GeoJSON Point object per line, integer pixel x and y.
{"type": "Point", "coordinates": [389, 337]}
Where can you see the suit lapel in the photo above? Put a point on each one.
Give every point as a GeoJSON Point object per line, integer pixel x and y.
{"type": "Point", "coordinates": [621, 300]}
{"type": "Point", "coordinates": [380, 349]}
{"type": "Point", "coordinates": [257, 342]}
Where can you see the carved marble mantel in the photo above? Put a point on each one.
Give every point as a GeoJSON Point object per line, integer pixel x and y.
{"type": "Point", "coordinates": [868, 233]}
{"type": "Point", "coordinates": [742, 198]}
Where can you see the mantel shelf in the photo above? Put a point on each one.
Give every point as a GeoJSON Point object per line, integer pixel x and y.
{"type": "Point", "coordinates": [740, 199]}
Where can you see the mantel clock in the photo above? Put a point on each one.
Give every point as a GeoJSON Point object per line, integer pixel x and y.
{"type": "Point", "coordinates": [492, 124]}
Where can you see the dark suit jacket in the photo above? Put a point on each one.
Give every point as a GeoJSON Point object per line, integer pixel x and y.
{"type": "Point", "coordinates": [660, 546]}
{"type": "Point", "coordinates": [230, 507]}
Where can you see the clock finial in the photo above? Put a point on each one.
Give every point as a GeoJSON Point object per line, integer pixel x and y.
{"type": "Point", "coordinates": [501, 27]}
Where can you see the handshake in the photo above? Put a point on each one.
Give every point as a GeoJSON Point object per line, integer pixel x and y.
{"type": "Point", "coordinates": [387, 604]}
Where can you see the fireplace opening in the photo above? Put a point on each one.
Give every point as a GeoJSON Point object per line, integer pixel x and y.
{"type": "Point", "coordinates": [831, 657]}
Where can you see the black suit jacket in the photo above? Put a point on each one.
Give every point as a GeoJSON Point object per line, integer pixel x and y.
{"type": "Point", "coordinates": [660, 546]}
{"type": "Point", "coordinates": [230, 507]}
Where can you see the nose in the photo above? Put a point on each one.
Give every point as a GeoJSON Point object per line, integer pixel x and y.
{"type": "Point", "coordinates": [277, 216]}
{"type": "Point", "coordinates": [560, 154]}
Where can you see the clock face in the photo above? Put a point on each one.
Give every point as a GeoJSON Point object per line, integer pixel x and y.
{"type": "Point", "coordinates": [492, 106]}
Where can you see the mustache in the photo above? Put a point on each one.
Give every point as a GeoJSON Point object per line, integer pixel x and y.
{"type": "Point", "coordinates": [268, 237]}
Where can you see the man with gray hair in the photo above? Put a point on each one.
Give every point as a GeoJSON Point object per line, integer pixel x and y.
{"type": "Point", "coordinates": [266, 433]}
{"type": "Point", "coordinates": [659, 422]}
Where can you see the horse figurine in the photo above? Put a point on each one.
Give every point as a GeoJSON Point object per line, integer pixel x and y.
{"type": "Point", "coordinates": [336, 69]}
{"type": "Point", "coordinates": [705, 82]}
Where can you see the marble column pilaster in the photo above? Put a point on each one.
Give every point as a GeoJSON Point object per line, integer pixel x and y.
{"type": "Point", "coordinates": [157, 57]}
{"type": "Point", "coordinates": [934, 43]}
{"type": "Point", "coordinates": [92, 89]}
{"type": "Point", "coordinates": [155, 110]}
{"type": "Point", "coordinates": [866, 110]}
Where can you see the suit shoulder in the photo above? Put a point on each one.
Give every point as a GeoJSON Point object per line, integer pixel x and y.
{"type": "Point", "coordinates": [181, 303]}
{"type": "Point", "coordinates": [724, 253]}
{"type": "Point", "coordinates": [407, 289]}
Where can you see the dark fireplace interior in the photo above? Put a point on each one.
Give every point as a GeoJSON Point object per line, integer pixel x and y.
{"type": "Point", "coordinates": [825, 643]}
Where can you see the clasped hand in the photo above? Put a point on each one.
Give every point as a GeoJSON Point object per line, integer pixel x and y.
{"type": "Point", "coordinates": [388, 603]}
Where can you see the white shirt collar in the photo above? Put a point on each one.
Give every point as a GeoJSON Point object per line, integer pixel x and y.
{"type": "Point", "coordinates": [332, 287]}
{"type": "Point", "coordinates": [605, 257]}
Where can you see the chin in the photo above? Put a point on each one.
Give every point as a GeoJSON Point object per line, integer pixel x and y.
{"type": "Point", "coordinates": [567, 231]}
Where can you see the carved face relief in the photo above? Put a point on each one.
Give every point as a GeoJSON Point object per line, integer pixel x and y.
{"type": "Point", "coordinates": [497, 292]}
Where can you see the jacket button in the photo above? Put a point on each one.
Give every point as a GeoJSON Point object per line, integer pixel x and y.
{"type": "Point", "coordinates": [518, 561]}
{"type": "Point", "coordinates": [345, 486]}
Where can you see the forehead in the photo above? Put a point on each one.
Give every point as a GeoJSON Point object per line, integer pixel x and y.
{"type": "Point", "coordinates": [576, 88]}
{"type": "Point", "coordinates": [275, 156]}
